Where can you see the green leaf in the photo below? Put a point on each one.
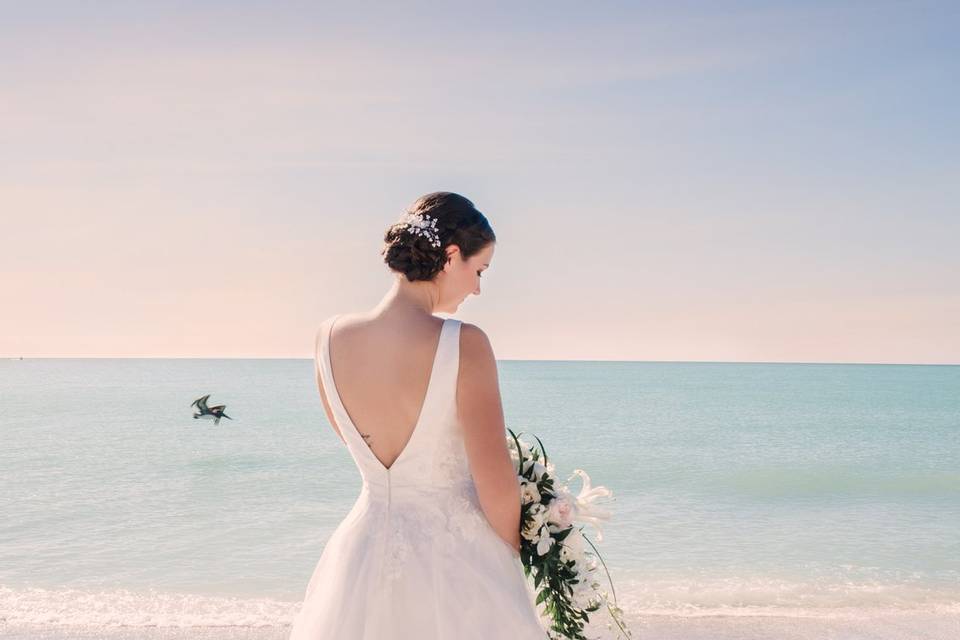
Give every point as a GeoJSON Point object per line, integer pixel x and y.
{"type": "Point", "coordinates": [542, 448]}
{"type": "Point", "coordinates": [519, 452]}
{"type": "Point", "coordinates": [559, 537]}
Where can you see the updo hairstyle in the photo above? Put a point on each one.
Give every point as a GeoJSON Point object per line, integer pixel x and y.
{"type": "Point", "coordinates": [458, 222]}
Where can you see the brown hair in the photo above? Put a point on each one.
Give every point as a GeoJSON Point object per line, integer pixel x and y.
{"type": "Point", "coordinates": [457, 222]}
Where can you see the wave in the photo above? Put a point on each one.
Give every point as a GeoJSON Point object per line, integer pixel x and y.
{"type": "Point", "coordinates": [674, 597]}
{"type": "Point", "coordinates": [763, 597]}
{"type": "Point", "coordinates": [121, 607]}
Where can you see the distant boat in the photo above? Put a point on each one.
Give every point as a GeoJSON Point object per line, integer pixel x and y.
{"type": "Point", "coordinates": [215, 412]}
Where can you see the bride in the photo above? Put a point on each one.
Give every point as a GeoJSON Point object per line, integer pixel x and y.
{"type": "Point", "coordinates": [430, 549]}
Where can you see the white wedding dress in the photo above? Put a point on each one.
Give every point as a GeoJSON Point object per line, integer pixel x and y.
{"type": "Point", "coordinates": [415, 558]}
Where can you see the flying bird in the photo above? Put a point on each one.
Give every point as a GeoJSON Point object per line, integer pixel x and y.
{"type": "Point", "coordinates": [213, 412]}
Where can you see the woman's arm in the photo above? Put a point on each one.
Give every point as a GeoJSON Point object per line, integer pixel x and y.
{"type": "Point", "coordinates": [481, 414]}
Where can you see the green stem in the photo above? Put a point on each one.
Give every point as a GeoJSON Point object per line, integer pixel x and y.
{"type": "Point", "coordinates": [609, 579]}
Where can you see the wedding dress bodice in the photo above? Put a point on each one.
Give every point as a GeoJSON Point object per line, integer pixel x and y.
{"type": "Point", "coordinates": [415, 557]}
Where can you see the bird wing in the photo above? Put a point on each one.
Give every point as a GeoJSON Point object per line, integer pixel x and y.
{"type": "Point", "coordinates": [201, 402]}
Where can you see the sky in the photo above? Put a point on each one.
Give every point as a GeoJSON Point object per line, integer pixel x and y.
{"type": "Point", "coordinates": [676, 181]}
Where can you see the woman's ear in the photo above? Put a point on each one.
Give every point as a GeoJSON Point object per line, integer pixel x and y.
{"type": "Point", "coordinates": [451, 250]}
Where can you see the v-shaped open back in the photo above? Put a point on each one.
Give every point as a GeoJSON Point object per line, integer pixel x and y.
{"type": "Point", "coordinates": [416, 556]}
{"type": "Point", "coordinates": [340, 410]}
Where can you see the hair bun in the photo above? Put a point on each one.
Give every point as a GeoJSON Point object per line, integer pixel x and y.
{"type": "Point", "coordinates": [419, 253]}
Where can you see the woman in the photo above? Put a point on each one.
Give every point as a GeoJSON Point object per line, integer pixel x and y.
{"type": "Point", "coordinates": [431, 546]}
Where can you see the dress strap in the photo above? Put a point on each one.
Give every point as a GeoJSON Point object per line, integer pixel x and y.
{"type": "Point", "coordinates": [439, 400]}
{"type": "Point", "coordinates": [448, 366]}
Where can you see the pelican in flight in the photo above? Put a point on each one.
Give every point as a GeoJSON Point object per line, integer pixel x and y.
{"type": "Point", "coordinates": [214, 412]}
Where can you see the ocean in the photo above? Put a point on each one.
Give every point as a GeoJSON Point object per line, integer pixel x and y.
{"type": "Point", "coordinates": [749, 500]}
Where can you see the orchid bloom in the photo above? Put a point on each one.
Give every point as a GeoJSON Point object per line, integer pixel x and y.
{"type": "Point", "coordinates": [583, 508]}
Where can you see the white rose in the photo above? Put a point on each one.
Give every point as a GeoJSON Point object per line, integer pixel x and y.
{"type": "Point", "coordinates": [545, 542]}
{"type": "Point", "coordinates": [528, 492]}
{"type": "Point", "coordinates": [561, 511]}
{"type": "Point", "coordinates": [572, 547]}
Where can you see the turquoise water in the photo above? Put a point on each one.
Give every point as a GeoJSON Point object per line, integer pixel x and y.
{"type": "Point", "coordinates": [740, 489]}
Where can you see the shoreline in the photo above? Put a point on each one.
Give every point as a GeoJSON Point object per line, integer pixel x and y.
{"type": "Point", "coordinates": [878, 625]}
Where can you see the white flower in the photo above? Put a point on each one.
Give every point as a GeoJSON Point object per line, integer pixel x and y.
{"type": "Point", "coordinates": [572, 547]}
{"type": "Point", "coordinates": [584, 595]}
{"type": "Point", "coordinates": [534, 466]}
{"type": "Point", "coordinates": [525, 451]}
{"type": "Point", "coordinates": [524, 447]}
{"type": "Point", "coordinates": [529, 492]}
{"type": "Point", "coordinates": [545, 542]}
{"type": "Point", "coordinates": [538, 470]}
{"type": "Point", "coordinates": [537, 516]}
{"type": "Point", "coordinates": [560, 511]}
{"type": "Point", "coordinates": [583, 508]}
{"type": "Point", "coordinates": [585, 591]}
{"type": "Point", "coordinates": [542, 524]}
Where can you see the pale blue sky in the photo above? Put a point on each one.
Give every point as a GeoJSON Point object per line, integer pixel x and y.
{"type": "Point", "coordinates": [668, 181]}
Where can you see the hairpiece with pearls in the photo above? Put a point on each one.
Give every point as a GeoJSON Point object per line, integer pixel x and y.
{"type": "Point", "coordinates": [421, 225]}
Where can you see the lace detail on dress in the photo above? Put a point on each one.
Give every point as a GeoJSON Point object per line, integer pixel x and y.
{"type": "Point", "coordinates": [462, 515]}
{"type": "Point", "coordinates": [417, 545]}
{"type": "Point", "coordinates": [445, 525]}
{"type": "Point", "coordinates": [450, 458]}
{"type": "Point", "coordinates": [447, 519]}
{"type": "Point", "coordinates": [465, 518]}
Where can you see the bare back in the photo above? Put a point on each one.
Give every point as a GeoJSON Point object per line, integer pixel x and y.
{"type": "Point", "coordinates": [382, 370]}
{"type": "Point", "coordinates": [436, 520]}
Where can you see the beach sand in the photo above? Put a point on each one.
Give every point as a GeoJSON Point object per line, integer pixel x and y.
{"type": "Point", "coordinates": [894, 626]}
{"type": "Point", "coordinates": [886, 626]}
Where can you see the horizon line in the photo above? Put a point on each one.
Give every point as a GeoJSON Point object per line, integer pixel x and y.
{"type": "Point", "coordinates": [886, 364]}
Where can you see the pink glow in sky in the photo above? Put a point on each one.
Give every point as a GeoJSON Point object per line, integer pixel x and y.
{"type": "Point", "coordinates": [742, 185]}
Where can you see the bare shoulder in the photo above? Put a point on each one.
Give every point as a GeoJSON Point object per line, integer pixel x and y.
{"type": "Point", "coordinates": [350, 325]}
{"type": "Point", "coordinates": [475, 346]}
{"type": "Point", "coordinates": [477, 379]}
{"type": "Point", "coordinates": [345, 320]}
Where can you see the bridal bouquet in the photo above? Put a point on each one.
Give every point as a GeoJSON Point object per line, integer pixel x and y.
{"type": "Point", "coordinates": [552, 548]}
